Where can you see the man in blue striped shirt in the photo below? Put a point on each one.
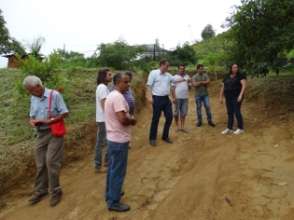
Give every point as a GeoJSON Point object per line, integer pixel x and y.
{"type": "Point", "coordinates": [49, 149]}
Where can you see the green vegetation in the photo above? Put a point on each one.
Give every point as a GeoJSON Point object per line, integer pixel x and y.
{"type": "Point", "coordinates": [7, 43]}
{"type": "Point", "coordinates": [263, 32]}
{"type": "Point", "coordinates": [182, 54]}
{"type": "Point", "coordinates": [215, 52]}
{"type": "Point", "coordinates": [16, 135]}
{"type": "Point", "coordinates": [207, 32]}
{"type": "Point", "coordinates": [79, 95]}
{"type": "Point", "coordinates": [118, 55]}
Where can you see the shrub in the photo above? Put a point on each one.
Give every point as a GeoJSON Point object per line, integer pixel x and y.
{"type": "Point", "coordinates": [45, 69]}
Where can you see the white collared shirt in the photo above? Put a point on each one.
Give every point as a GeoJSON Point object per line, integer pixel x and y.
{"type": "Point", "coordinates": [159, 83]}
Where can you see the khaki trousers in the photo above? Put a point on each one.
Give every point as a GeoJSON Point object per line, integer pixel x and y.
{"type": "Point", "coordinates": [49, 157]}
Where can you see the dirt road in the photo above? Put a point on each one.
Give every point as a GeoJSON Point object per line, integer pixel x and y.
{"type": "Point", "coordinates": [202, 176]}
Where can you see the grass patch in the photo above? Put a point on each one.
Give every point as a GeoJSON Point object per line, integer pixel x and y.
{"type": "Point", "coordinates": [17, 138]}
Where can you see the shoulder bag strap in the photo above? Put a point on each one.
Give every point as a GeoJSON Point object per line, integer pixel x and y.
{"type": "Point", "coordinates": [50, 103]}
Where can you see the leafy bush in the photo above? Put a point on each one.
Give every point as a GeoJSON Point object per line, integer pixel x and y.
{"type": "Point", "coordinates": [45, 69]}
{"type": "Point", "coordinates": [263, 31]}
{"type": "Point", "coordinates": [215, 53]}
{"type": "Point", "coordinates": [118, 55]}
{"type": "Point", "coordinates": [182, 55]}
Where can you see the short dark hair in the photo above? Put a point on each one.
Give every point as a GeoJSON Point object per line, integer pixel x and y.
{"type": "Point", "coordinates": [101, 75]}
{"type": "Point", "coordinates": [181, 65]}
{"type": "Point", "coordinates": [162, 62]}
{"type": "Point", "coordinates": [130, 74]}
{"type": "Point", "coordinates": [199, 66]}
{"type": "Point", "coordinates": [118, 76]}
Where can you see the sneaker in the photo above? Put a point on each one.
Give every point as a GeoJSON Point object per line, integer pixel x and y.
{"type": "Point", "coordinates": [37, 197]}
{"type": "Point", "coordinates": [119, 207]}
{"type": "Point", "coordinates": [55, 198]}
{"type": "Point", "coordinates": [227, 131]}
{"type": "Point", "coordinates": [239, 131]}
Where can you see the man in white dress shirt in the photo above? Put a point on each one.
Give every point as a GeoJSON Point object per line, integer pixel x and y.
{"type": "Point", "coordinates": [158, 91]}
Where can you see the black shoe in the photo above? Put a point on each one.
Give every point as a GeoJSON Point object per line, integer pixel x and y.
{"type": "Point", "coordinates": [167, 140]}
{"type": "Point", "coordinates": [199, 124]}
{"type": "Point", "coordinates": [211, 124]}
{"type": "Point", "coordinates": [152, 143]}
{"type": "Point", "coordinates": [119, 207]}
{"type": "Point", "coordinates": [37, 197]}
{"type": "Point", "coordinates": [55, 198]}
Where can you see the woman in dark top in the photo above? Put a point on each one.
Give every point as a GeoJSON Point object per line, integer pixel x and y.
{"type": "Point", "coordinates": [233, 88]}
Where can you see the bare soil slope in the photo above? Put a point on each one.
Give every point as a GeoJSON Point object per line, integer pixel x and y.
{"type": "Point", "coordinates": [202, 176]}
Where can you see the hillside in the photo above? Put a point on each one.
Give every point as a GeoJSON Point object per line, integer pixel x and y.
{"type": "Point", "coordinates": [203, 175]}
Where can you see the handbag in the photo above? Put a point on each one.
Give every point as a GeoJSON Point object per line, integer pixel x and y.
{"type": "Point", "coordinates": [57, 128]}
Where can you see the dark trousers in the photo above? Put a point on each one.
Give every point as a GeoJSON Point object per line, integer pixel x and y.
{"type": "Point", "coordinates": [117, 168]}
{"type": "Point", "coordinates": [205, 100]}
{"type": "Point", "coordinates": [100, 144]}
{"type": "Point", "coordinates": [161, 103]}
{"type": "Point", "coordinates": [234, 109]}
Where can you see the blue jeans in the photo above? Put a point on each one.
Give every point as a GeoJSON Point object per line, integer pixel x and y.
{"type": "Point", "coordinates": [234, 109]}
{"type": "Point", "coordinates": [205, 100]}
{"type": "Point", "coordinates": [161, 103]}
{"type": "Point", "coordinates": [100, 143]}
{"type": "Point", "coordinates": [117, 168]}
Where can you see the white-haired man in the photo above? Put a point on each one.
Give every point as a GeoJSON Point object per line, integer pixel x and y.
{"type": "Point", "coordinates": [49, 149]}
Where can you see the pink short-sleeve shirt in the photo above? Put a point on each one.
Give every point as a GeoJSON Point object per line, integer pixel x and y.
{"type": "Point", "coordinates": [116, 132]}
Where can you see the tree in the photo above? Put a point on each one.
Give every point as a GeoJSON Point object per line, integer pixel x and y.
{"type": "Point", "coordinates": [216, 52]}
{"type": "Point", "coordinates": [36, 46]}
{"type": "Point", "coordinates": [263, 30]}
{"type": "Point", "coordinates": [7, 43]}
{"type": "Point", "coordinates": [118, 55]}
{"type": "Point", "coordinates": [207, 32]}
{"type": "Point", "coordinates": [184, 54]}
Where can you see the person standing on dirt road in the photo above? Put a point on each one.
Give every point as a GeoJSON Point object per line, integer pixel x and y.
{"type": "Point", "coordinates": [49, 149]}
{"type": "Point", "coordinates": [200, 81]}
{"type": "Point", "coordinates": [118, 126]}
{"type": "Point", "coordinates": [158, 90]}
{"type": "Point", "coordinates": [233, 88]}
{"type": "Point", "coordinates": [103, 78]}
{"type": "Point", "coordinates": [180, 90]}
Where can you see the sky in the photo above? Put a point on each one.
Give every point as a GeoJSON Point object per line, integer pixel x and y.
{"type": "Point", "coordinates": [81, 25]}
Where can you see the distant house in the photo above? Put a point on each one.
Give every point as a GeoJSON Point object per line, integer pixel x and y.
{"type": "Point", "coordinates": [14, 61]}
